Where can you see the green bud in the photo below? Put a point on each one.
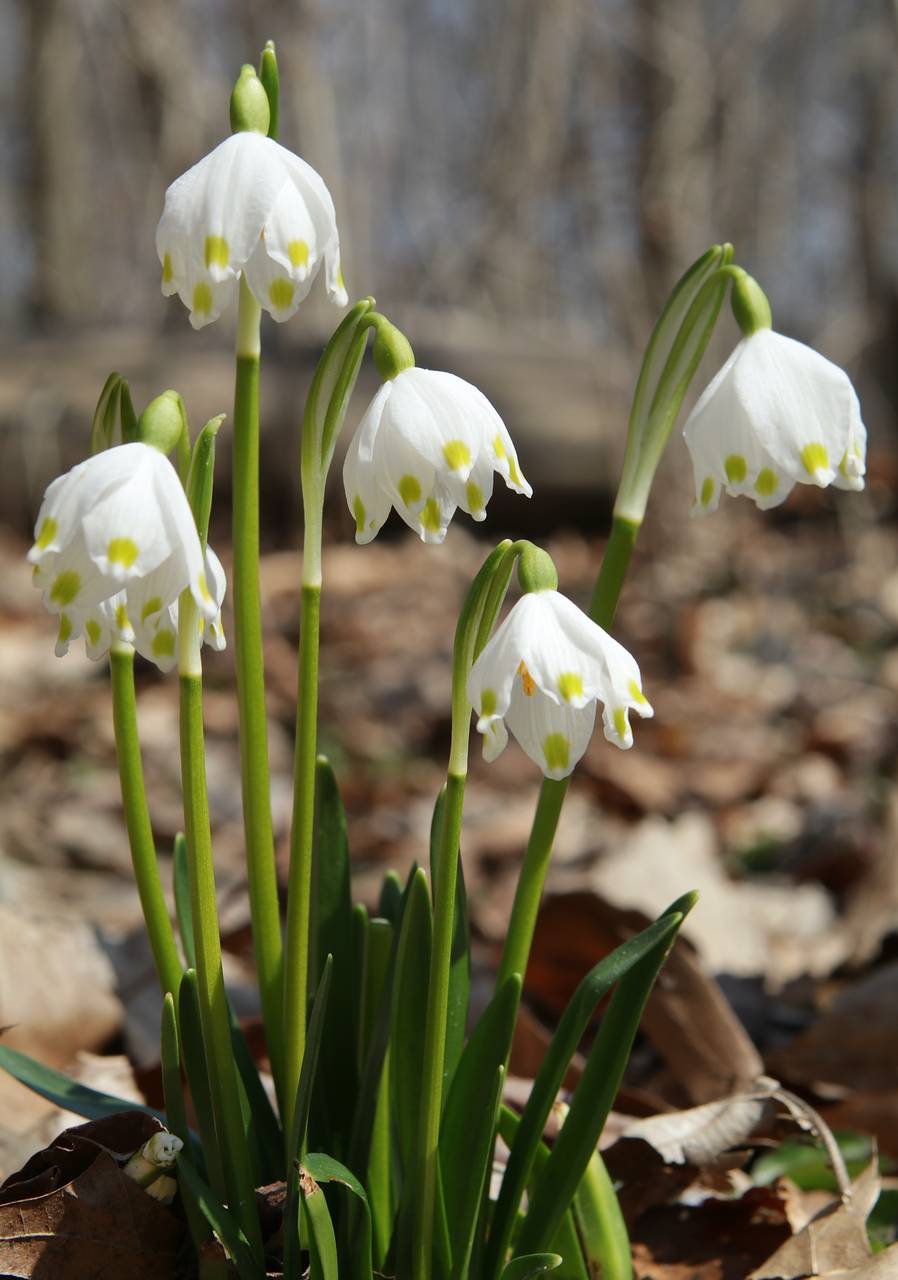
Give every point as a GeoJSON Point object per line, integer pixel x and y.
{"type": "Point", "coordinates": [750, 305]}
{"type": "Point", "coordinates": [163, 423]}
{"type": "Point", "coordinates": [392, 350]}
{"type": "Point", "coordinates": [201, 475]}
{"type": "Point", "coordinates": [268, 74]}
{"type": "Point", "coordinates": [250, 112]}
{"type": "Point", "coordinates": [536, 569]}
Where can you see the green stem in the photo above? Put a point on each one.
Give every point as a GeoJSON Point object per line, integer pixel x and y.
{"type": "Point", "coordinates": [249, 660]}
{"type": "Point", "coordinates": [299, 889]}
{"type": "Point", "coordinates": [137, 819]}
{"type": "Point", "coordinates": [528, 893]}
{"type": "Point", "coordinates": [435, 1026]}
{"type": "Point", "coordinates": [213, 1003]}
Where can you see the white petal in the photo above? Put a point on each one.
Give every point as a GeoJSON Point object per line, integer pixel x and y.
{"type": "Point", "coordinates": [213, 632]}
{"type": "Point", "coordinates": [368, 502]}
{"type": "Point", "coordinates": [505, 458]}
{"type": "Point", "coordinates": [442, 417]}
{"type": "Point", "coordinates": [799, 403]}
{"type": "Point", "coordinates": [853, 467]}
{"type": "Point", "coordinates": [495, 739]}
{"type": "Point", "coordinates": [124, 533]}
{"type": "Point", "coordinates": [474, 494]}
{"type": "Point", "coordinates": [314, 192]}
{"type": "Point", "coordinates": [71, 496]}
{"type": "Point", "coordinates": [214, 213]}
{"type": "Point", "coordinates": [276, 290]}
{"type": "Point", "coordinates": [73, 581]}
{"type": "Point", "coordinates": [553, 736]}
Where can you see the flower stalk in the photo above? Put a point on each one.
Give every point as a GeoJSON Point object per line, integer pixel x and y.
{"type": "Point", "coordinates": [250, 667]}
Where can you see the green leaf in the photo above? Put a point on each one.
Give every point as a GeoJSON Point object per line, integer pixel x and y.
{"type": "Point", "coordinates": [324, 1168]}
{"type": "Point", "coordinates": [66, 1093]}
{"type": "Point", "coordinates": [389, 904]}
{"type": "Point", "coordinates": [183, 912]}
{"type": "Point", "coordinates": [323, 1264]}
{"type": "Point", "coordinates": [467, 1131]}
{"type": "Point", "coordinates": [379, 1175]}
{"type": "Point", "coordinates": [301, 1112]}
{"type": "Point", "coordinates": [176, 1114]}
{"type": "Point", "coordinates": [460, 956]}
{"type": "Point", "coordinates": [534, 1264]}
{"type": "Point", "coordinates": [558, 1180]}
{"type": "Point", "coordinates": [193, 1055]}
{"type": "Point", "coordinates": [600, 1224]}
{"type": "Point", "coordinates": [408, 1021]}
{"type": "Point", "coordinates": [106, 414]}
{"type": "Point", "coordinates": [268, 74]}
{"type": "Point", "coordinates": [201, 475]}
{"type": "Point", "coordinates": [574, 1021]}
{"type": "Point", "coordinates": [338, 1079]}
{"type": "Point", "coordinates": [221, 1222]}
{"type": "Point", "coordinates": [263, 1130]}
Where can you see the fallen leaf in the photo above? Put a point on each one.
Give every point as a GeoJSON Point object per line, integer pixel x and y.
{"type": "Point", "coordinates": [835, 1240]}
{"type": "Point", "coordinates": [72, 1212]}
{"type": "Point", "coordinates": [699, 1135]}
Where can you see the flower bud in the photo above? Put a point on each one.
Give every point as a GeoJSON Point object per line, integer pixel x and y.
{"type": "Point", "coordinates": [750, 305]}
{"type": "Point", "coordinates": [163, 422]}
{"type": "Point", "coordinates": [536, 570]}
{"type": "Point", "coordinates": [250, 112]}
{"type": "Point", "coordinates": [392, 351]}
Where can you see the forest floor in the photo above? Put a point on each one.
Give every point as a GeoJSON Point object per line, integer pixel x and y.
{"type": "Point", "coordinates": [766, 780]}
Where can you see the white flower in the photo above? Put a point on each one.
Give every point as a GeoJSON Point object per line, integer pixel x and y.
{"type": "Point", "coordinates": [428, 443]}
{"type": "Point", "coordinates": [115, 545]}
{"type": "Point", "coordinates": [777, 414]}
{"type": "Point", "coordinates": [250, 206]}
{"type": "Point", "coordinates": [542, 673]}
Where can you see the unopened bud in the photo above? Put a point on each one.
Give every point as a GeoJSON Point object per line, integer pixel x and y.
{"type": "Point", "coordinates": [250, 112]}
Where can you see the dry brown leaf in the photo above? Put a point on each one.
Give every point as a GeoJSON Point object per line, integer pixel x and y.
{"type": "Point", "coordinates": [72, 1212]}
{"type": "Point", "coordinates": [834, 1241]}
{"type": "Point", "coordinates": [699, 1135]}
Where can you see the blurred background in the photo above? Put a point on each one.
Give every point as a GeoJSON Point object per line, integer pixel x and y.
{"type": "Point", "coordinates": [519, 184]}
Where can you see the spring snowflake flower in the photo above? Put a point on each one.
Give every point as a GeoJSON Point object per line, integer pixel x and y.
{"type": "Point", "coordinates": [428, 443]}
{"type": "Point", "coordinates": [249, 207]}
{"type": "Point", "coordinates": [115, 545]}
{"type": "Point", "coordinates": [542, 674]}
{"type": "Point", "coordinates": [776, 415]}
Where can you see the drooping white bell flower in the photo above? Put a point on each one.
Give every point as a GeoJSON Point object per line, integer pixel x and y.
{"type": "Point", "coordinates": [542, 674]}
{"type": "Point", "coordinates": [428, 443]}
{"type": "Point", "coordinates": [776, 415]}
{"type": "Point", "coordinates": [114, 536]}
{"type": "Point", "coordinates": [252, 207]}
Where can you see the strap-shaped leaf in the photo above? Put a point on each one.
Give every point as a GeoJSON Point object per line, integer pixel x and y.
{"type": "Point", "coordinates": [323, 1263]}
{"type": "Point", "coordinates": [600, 1223]}
{"type": "Point", "coordinates": [467, 1132]}
{"type": "Point", "coordinates": [337, 1083]}
{"type": "Point", "coordinates": [183, 913]}
{"type": "Point", "coordinates": [222, 1223]}
{"type": "Point", "coordinates": [408, 1016]}
{"type": "Point", "coordinates": [574, 1021]}
{"type": "Point", "coordinates": [324, 1168]}
{"type": "Point", "coordinates": [68, 1094]}
{"type": "Point", "coordinates": [379, 1178]}
{"type": "Point", "coordinates": [176, 1112]}
{"type": "Point", "coordinates": [460, 962]}
{"type": "Point", "coordinates": [535, 1264]}
{"type": "Point", "coordinates": [558, 1180]}
{"type": "Point", "coordinates": [193, 1056]}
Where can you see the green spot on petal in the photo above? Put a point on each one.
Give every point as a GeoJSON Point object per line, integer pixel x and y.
{"type": "Point", "coordinates": [767, 482]}
{"type": "Point", "coordinates": [65, 628]}
{"type": "Point", "coordinates": [92, 627]}
{"type": "Point", "coordinates": [203, 587]}
{"type": "Point", "coordinates": [736, 468]}
{"type": "Point", "coordinates": [202, 298]}
{"type": "Point", "coordinates": [499, 447]}
{"type": "Point", "coordinates": [153, 605]}
{"type": "Point", "coordinates": [619, 716]}
{"type": "Point", "coordinates": [121, 618]}
{"type": "Point", "coordinates": [167, 270]}
{"type": "Point", "coordinates": [430, 516]}
{"type": "Point", "coordinates": [216, 251]}
{"type": "Point", "coordinates": [707, 491]}
{"type": "Point", "coordinates": [557, 750]}
{"type": "Point", "coordinates": [513, 474]}
{"type": "Point", "coordinates": [66, 587]}
{"type": "Point", "coordinates": [281, 292]}
{"type": "Point", "coordinates": [122, 551]}
{"type": "Point", "coordinates": [164, 644]}
{"type": "Point", "coordinates": [474, 494]}
{"type": "Point", "coordinates": [409, 490]}
{"type": "Point", "coordinates": [298, 253]}
{"type": "Point", "coordinates": [46, 534]}
{"type": "Point", "coordinates": [457, 454]}
{"type": "Point", "coordinates": [637, 695]}
{"type": "Point", "coordinates": [358, 510]}
{"type": "Point", "coordinates": [488, 702]}
{"type": "Point", "coordinates": [815, 458]}
{"type": "Point", "coordinates": [570, 685]}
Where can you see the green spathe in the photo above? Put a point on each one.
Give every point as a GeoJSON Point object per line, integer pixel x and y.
{"type": "Point", "coordinates": [750, 305]}
{"type": "Point", "coordinates": [392, 350]}
{"type": "Point", "coordinates": [163, 423]}
{"type": "Point", "coordinates": [536, 569]}
{"type": "Point", "coordinates": [250, 110]}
